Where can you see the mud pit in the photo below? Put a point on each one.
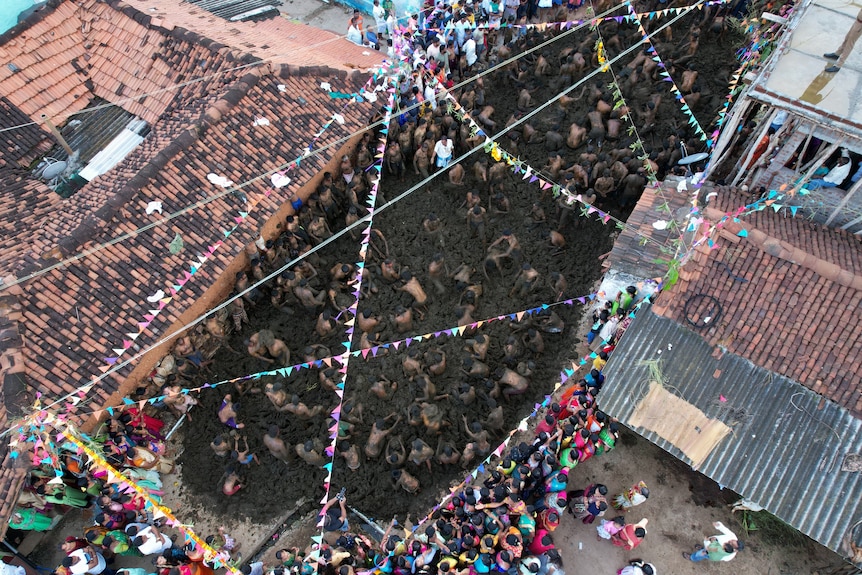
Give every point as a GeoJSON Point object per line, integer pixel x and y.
{"type": "Point", "coordinates": [273, 485]}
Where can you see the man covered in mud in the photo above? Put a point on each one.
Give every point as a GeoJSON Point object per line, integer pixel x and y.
{"type": "Point", "coordinates": [275, 444]}
{"type": "Point", "coordinates": [378, 434]}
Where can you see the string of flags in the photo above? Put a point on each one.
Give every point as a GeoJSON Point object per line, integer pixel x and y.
{"type": "Point", "coordinates": [159, 511]}
{"type": "Point", "coordinates": [567, 24]}
{"type": "Point", "coordinates": [160, 298]}
{"type": "Point", "coordinates": [388, 85]}
{"type": "Point", "coordinates": [326, 362]}
{"type": "Point", "coordinates": [665, 74]}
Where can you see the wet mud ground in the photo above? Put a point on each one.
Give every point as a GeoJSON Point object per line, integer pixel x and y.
{"type": "Point", "coordinates": [274, 485]}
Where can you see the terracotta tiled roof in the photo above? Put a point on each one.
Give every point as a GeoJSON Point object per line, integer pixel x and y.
{"type": "Point", "coordinates": [14, 398]}
{"type": "Point", "coordinates": [791, 299]}
{"type": "Point", "coordinates": [639, 245]}
{"type": "Point", "coordinates": [70, 318]}
{"type": "Point", "coordinates": [276, 40]}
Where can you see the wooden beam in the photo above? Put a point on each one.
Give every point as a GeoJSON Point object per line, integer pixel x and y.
{"type": "Point", "coordinates": [743, 169]}
{"type": "Point", "coordinates": [844, 201]}
{"type": "Point", "coordinates": [818, 162]}
{"type": "Point", "coordinates": [723, 145]}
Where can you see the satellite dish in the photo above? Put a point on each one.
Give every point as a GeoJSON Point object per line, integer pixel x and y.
{"type": "Point", "coordinates": [693, 159]}
{"type": "Point", "coordinates": [53, 170]}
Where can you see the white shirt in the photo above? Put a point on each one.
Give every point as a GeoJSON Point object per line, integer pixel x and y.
{"type": "Point", "coordinates": [433, 52]}
{"type": "Point", "coordinates": [153, 544]}
{"type": "Point", "coordinates": [470, 51]}
{"type": "Point", "coordinates": [610, 327]}
{"type": "Point", "coordinates": [442, 150]}
{"type": "Point", "coordinates": [430, 96]}
{"type": "Point", "coordinates": [390, 24]}
{"type": "Point", "coordinates": [838, 174]}
{"type": "Point", "coordinates": [726, 534]}
{"type": "Point", "coordinates": [379, 14]}
{"type": "Point", "coordinates": [80, 566]}
{"type": "Point", "coordinates": [354, 35]}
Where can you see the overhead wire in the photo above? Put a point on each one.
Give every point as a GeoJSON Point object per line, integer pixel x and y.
{"type": "Point", "coordinates": [246, 183]}
{"type": "Point", "coordinates": [117, 367]}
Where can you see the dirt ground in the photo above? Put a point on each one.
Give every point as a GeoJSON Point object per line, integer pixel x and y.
{"type": "Point", "coordinates": [683, 504]}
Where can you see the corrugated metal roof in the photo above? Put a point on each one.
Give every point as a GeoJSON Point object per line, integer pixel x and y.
{"type": "Point", "coordinates": [788, 443]}
{"type": "Point", "coordinates": [229, 9]}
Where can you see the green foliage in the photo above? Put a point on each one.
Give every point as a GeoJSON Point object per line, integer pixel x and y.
{"type": "Point", "coordinates": [672, 275]}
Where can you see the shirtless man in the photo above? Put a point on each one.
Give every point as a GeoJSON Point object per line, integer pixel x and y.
{"type": "Point", "coordinates": [389, 270]}
{"type": "Point", "coordinates": [410, 363]}
{"type": "Point", "coordinates": [525, 281]}
{"type": "Point", "coordinates": [414, 288]}
{"type": "Point", "coordinates": [351, 218]}
{"type": "Point", "coordinates": [432, 227]}
{"type": "Point", "coordinates": [495, 416]}
{"type": "Point", "coordinates": [315, 351]}
{"type": "Point", "coordinates": [329, 378]}
{"type": "Point", "coordinates": [232, 482]}
{"type": "Point", "coordinates": [403, 319]}
{"type": "Point", "coordinates": [276, 348]}
{"type": "Point", "coordinates": [420, 453]}
{"type": "Point", "coordinates": [478, 346]}
{"type": "Point", "coordinates": [515, 383]}
{"type": "Point", "coordinates": [500, 204]}
{"type": "Point", "coordinates": [378, 434]}
{"type": "Point", "coordinates": [475, 369]}
{"type": "Point", "coordinates": [396, 454]}
{"type": "Point", "coordinates": [421, 160]}
{"type": "Point", "coordinates": [383, 388]}
{"type": "Point", "coordinates": [558, 284]}
{"type": "Point", "coordinates": [311, 452]}
{"type": "Point", "coordinates": [558, 242]}
{"type": "Point", "coordinates": [276, 394]}
{"type": "Point", "coordinates": [395, 160]}
{"type": "Point", "coordinates": [406, 481]}
{"type": "Point", "coordinates": [367, 321]}
{"type": "Point", "coordinates": [227, 413]}
{"type": "Point", "coordinates": [476, 220]}
{"type": "Point", "coordinates": [436, 270]}
{"type": "Point", "coordinates": [604, 185]}
{"type": "Point", "coordinates": [238, 314]}
{"type": "Point", "coordinates": [513, 248]}
{"type": "Point", "coordinates": [301, 410]}
{"type": "Point", "coordinates": [533, 342]}
{"type": "Point", "coordinates": [219, 446]}
{"type": "Point", "coordinates": [275, 444]}
{"type": "Point", "coordinates": [465, 311]}
{"type": "Point", "coordinates": [466, 393]}
{"type": "Point", "coordinates": [462, 276]}
{"type": "Point", "coordinates": [456, 175]}
{"type": "Point", "coordinates": [472, 200]}
{"type": "Point", "coordinates": [435, 358]}
{"type": "Point", "coordinates": [350, 455]}
{"type": "Point", "coordinates": [689, 77]}
{"type": "Point", "coordinates": [325, 325]}
{"type": "Point", "coordinates": [319, 230]}
{"type": "Point", "coordinates": [445, 454]}
{"type": "Point", "coordinates": [432, 418]}
{"type": "Point", "coordinates": [339, 275]}
{"type": "Point", "coordinates": [426, 390]}
{"type": "Point", "coordinates": [311, 300]}
{"type": "Point", "coordinates": [476, 433]}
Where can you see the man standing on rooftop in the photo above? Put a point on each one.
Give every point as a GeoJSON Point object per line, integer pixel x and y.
{"type": "Point", "coordinates": [846, 46]}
